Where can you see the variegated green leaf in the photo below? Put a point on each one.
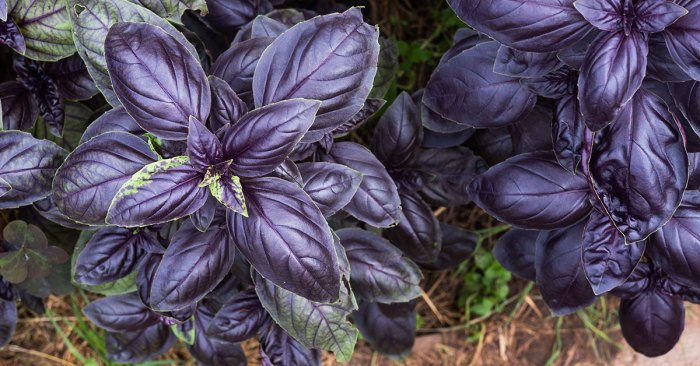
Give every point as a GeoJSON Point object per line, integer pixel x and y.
{"type": "Point", "coordinates": [173, 9]}
{"type": "Point", "coordinates": [46, 28]}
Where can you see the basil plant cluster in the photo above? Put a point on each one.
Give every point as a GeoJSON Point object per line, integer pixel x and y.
{"type": "Point", "coordinates": [190, 161]}
{"type": "Point", "coordinates": [605, 199]}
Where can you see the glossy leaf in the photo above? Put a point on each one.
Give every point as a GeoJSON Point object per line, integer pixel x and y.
{"type": "Point", "coordinates": [286, 239]}
{"type": "Point", "coordinates": [451, 171]}
{"type": "Point", "coordinates": [28, 166]}
{"type": "Point", "coordinates": [686, 96]}
{"type": "Point", "coordinates": [91, 175]}
{"type": "Point", "coordinates": [160, 102]}
{"type": "Point", "coordinates": [639, 168]}
{"type": "Point", "coordinates": [160, 192]}
{"type": "Point", "coordinates": [46, 28]}
{"type": "Point", "coordinates": [240, 318]}
{"type": "Point", "coordinates": [330, 186]}
{"type": "Point", "coordinates": [203, 148]}
{"type": "Point", "coordinates": [515, 251]}
{"type": "Point", "coordinates": [516, 63]}
{"type": "Point", "coordinates": [331, 58]}
{"type": "Point", "coordinates": [380, 271]}
{"type": "Point", "coordinates": [226, 106]}
{"type": "Point", "coordinates": [277, 347]}
{"type": "Point", "coordinates": [111, 254]}
{"type": "Point", "coordinates": [237, 65]}
{"type": "Point", "coordinates": [682, 41]}
{"type": "Point", "coordinates": [120, 313]}
{"type": "Point", "coordinates": [208, 351]}
{"type": "Point", "coordinates": [418, 232]}
{"type": "Point", "coordinates": [112, 121]}
{"type": "Point", "coordinates": [72, 78]}
{"type": "Point", "coordinates": [636, 283]}
{"type": "Point", "coordinates": [19, 108]}
{"type": "Point", "coordinates": [532, 191]}
{"type": "Point", "coordinates": [228, 16]}
{"type": "Point", "coordinates": [660, 64]}
{"type": "Point", "coordinates": [652, 322]}
{"type": "Point", "coordinates": [476, 96]}
{"type": "Point", "coordinates": [139, 346]}
{"type": "Point", "coordinates": [377, 201]}
{"type": "Point", "coordinates": [388, 328]}
{"type": "Point", "coordinates": [568, 133]}
{"type": "Point", "coordinates": [398, 133]}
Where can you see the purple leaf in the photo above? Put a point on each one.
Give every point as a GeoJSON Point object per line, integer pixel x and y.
{"type": "Point", "coordinates": [557, 84]}
{"type": "Point", "coordinates": [686, 97]}
{"type": "Point", "coordinates": [208, 351]}
{"type": "Point", "coordinates": [559, 270]}
{"type": "Point", "coordinates": [652, 322]}
{"type": "Point", "coordinates": [11, 36]}
{"type": "Point", "coordinates": [160, 192]}
{"type": "Point", "coordinates": [121, 313]}
{"type": "Point", "coordinates": [139, 346]}
{"type": "Point", "coordinates": [226, 107]}
{"type": "Point", "coordinates": [286, 239]}
{"type": "Point", "coordinates": [28, 166]}
{"type": "Point", "coordinates": [475, 95]}
{"type": "Point", "coordinates": [109, 255]}
{"type": "Point", "coordinates": [439, 140]}
{"type": "Point", "coordinates": [532, 133]}
{"type": "Point", "coordinates": [418, 231]}
{"type": "Point", "coordinates": [655, 16]}
{"type": "Point", "coordinates": [568, 133]}
{"type": "Point", "coordinates": [640, 167]}
{"type": "Point", "coordinates": [203, 147]}
{"type": "Point", "coordinates": [193, 264]}
{"type": "Point", "coordinates": [377, 201]}
{"type": "Point", "coordinates": [227, 16]}
{"type": "Point", "coordinates": [3, 12]}
{"type": "Point", "coordinates": [263, 138]}
{"type": "Point", "coordinates": [45, 91]}
{"type": "Point", "coordinates": [636, 283]}
{"type": "Point", "coordinates": [160, 102]}
{"type": "Point", "coordinates": [515, 251]}
{"type": "Point", "coordinates": [457, 246]}
{"type": "Point", "coordinates": [683, 41]}
{"type": "Point", "coordinates": [113, 120]}
{"type": "Point", "coordinates": [522, 64]}
{"type": "Point", "coordinates": [605, 15]}
{"type": "Point", "coordinates": [239, 319]}
{"type": "Point", "coordinates": [91, 175]}
{"type": "Point", "coordinates": [380, 272]}
{"type": "Point", "coordinates": [532, 191]}
{"type": "Point", "coordinates": [388, 328]}
{"type": "Point", "coordinates": [237, 65]}
{"type": "Point", "coordinates": [330, 58]}
{"type": "Point", "coordinates": [537, 26]}
{"type": "Point", "coordinates": [289, 171]}
{"type": "Point", "coordinates": [398, 133]}
{"type": "Point", "coordinates": [204, 216]}
{"type": "Point", "coordinates": [72, 78]}
{"type": "Point", "coordinates": [144, 276]}
{"type": "Point", "coordinates": [607, 260]}
{"type": "Point", "coordinates": [4, 187]}
{"type": "Point", "coordinates": [612, 71]}
{"type": "Point", "coordinates": [277, 347]}
{"type": "Point", "coordinates": [19, 108]}
{"type": "Point", "coordinates": [330, 186]}
{"type": "Point", "coordinates": [369, 110]}
{"type": "Point", "coordinates": [8, 321]}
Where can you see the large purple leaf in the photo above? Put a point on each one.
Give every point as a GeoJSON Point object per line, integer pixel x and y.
{"type": "Point", "coordinates": [683, 41]}
{"type": "Point", "coordinates": [113, 120]}
{"type": "Point", "coordinates": [612, 71]}
{"type": "Point", "coordinates": [640, 167]}
{"type": "Point", "coordinates": [568, 133]}
{"type": "Point", "coordinates": [109, 255]}
{"type": "Point", "coordinates": [660, 64]}
{"type": "Point", "coordinates": [27, 165]}
{"type": "Point", "coordinates": [377, 200]}
{"type": "Point", "coordinates": [91, 175]}
{"type": "Point", "coordinates": [121, 313]}
{"type": "Point", "coordinates": [451, 171]}
{"type": "Point", "coordinates": [240, 318]}
{"type": "Point", "coordinates": [72, 78]}
{"type": "Point", "coordinates": [19, 108]}
{"type": "Point", "coordinates": [227, 16]}
{"type": "Point", "coordinates": [237, 65]}
{"type": "Point", "coordinates": [522, 64]}
{"type": "Point", "coordinates": [208, 351]}
{"type": "Point", "coordinates": [515, 251]}
{"type": "Point", "coordinates": [637, 282]}
{"type": "Point", "coordinates": [287, 239]}
{"type": "Point", "coordinates": [263, 138]}
{"type": "Point", "coordinates": [11, 36]}
{"type": "Point", "coordinates": [559, 270]}
{"type": "Point", "coordinates": [226, 106]}
{"type": "Point", "coordinates": [652, 322]}
{"type": "Point", "coordinates": [605, 15]}
{"type": "Point", "coordinates": [532, 191]}
{"type": "Point", "coordinates": [139, 346]}
{"type": "Point", "coordinates": [160, 192]}
{"type": "Point", "coordinates": [331, 58]}
{"type": "Point", "coordinates": [398, 133]}
{"type": "Point", "coordinates": [144, 276]}
{"type": "Point", "coordinates": [418, 232]}
{"type": "Point", "coordinates": [380, 272]}
{"type": "Point", "coordinates": [537, 26]}
{"type": "Point", "coordinates": [686, 96]}
{"type": "Point", "coordinates": [607, 260]}
{"type": "Point", "coordinates": [160, 102]}
{"type": "Point", "coordinates": [655, 16]}
{"type": "Point", "coordinates": [388, 328]}
{"type": "Point", "coordinates": [475, 95]}
{"type": "Point", "coordinates": [331, 186]}
{"type": "Point", "coordinates": [203, 147]}
{"type": "Point", "coordinates": [277, 347]}
{"type": "Point", "coordinates": [193, 264]}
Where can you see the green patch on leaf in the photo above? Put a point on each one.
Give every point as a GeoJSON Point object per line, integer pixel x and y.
{"type": "Point", "coordinates": [185, 331]}
{"type": "Point", "coordinates": [229, 192]}
{"type": "Point", "coordinates": [142, 178]}
{"type": "Point", "coordinates": [46, 28]}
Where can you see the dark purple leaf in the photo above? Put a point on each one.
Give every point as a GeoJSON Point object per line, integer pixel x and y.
{"type": "Point", "coordinates": [532, 191]}
{"type": "Point", "coordinates": [686, 97]}
{"type": "Point", "coordinates": [263, 26]}
{"type": "Point", "coordinates": [45, 91]}
{"type": "Point", "coordinates": [330, 186]}
{"type": "Point", "coordinates": [227, 16]}
{"type": "Point", "coordinates": [226, 106]}
{"type": "Point", "coordinates": [559, 270]}
{"type": "Point", "coordinates": [568, 133]}
{"type": "Point", "coordinates": [72, 78]}
{"type": "Point", "coordinates": [522, 64]}
{"type": "Point", "coordinates": [19, 108]}
{"type": "Point", "coordinates": [205, 215]}
{"type": "Point", "coordinates": [144, 277]}
{"type": "Point", "coordinates": [212, 352]}
{"type": "Point", "coordinates": [475, 95]}
{"type": "Point", "coordinates": [120, 313]}
{"type": "Point", "coordinates": [228, 191]}
{"type": "Point", "coordinates": [533, 133]}
{"type": "Point", "coordinates": [160, 192]}
{"type": "Point", "coordinates": [607, 260]}
{"type": "Point", "coordinates": [160, 102]}
{"type": "Point", "coordinates": [388, 328]}
{"type": "Point", "coordinates": [203, 147]}
{"type": "Point", "coordinates": [241, 317]}
{"type": "Point", "coordinates": [652, 322]}
{"type": "Point", "coordinates": [277, 347]}
{"type": "Point", "coordinates": [557, 84]}
{"type": "Point", "coordinates": [435, 122]}
{"type": "Point", "coordinates": [464, 39]}
{"type": "Point", "coordinates": [438, 140]}
{"type": "Point", "coordinates": [457, 246]}
{"type": "Point", "coordinates": [494, 145]}
{"type": "Point", "coordinates": [398, 134]}
{"type": "Point", "coordinates": [139, 346]}
{"type": "Point", "coordinates": [109, 255]}
{"type": "Point", "coordinates": [11, 36]}
{"type": "Point", "coordinates": [612, 71]}
{"type": "Point", "coordinates": [380, 272]}
{"type": "Point", "coordinates": [289, 171]}
{"type": "Point", "coordinates": [286, 239]}
{"type": "Point", "coordinates": [540, 26]}
{"type": "Point", "coordinates": [369, 110]}
{"type": "Point", "coordinates": [113, 120]}
{"type": "Point", "coordinates": [605, 15]}
{"type": "Point", "coordinates": [655, 16]}
{"type": "Point", "coordinates": [660, 64]}
{"type": "Point", "coordinates": [90, 177]}
{"type": "Point", "coordinates": [377, 200]}
{"type": "Point", "coordinates": [7, 291]}
{"type": "Point", "coordinates": [193, 264]}
{"type": "Point", "coordinates": [331, 58]}
{"type": "Point", "coordinates": [694, 178]}
{"type": "Point", "coordinates": [636, 283]}
{"type": "Point", "coordinates": [418, 232]}
{"type": "Point", "coordinates": [28, 166]}
{"type": "Point", "coordinates": [8, 321]}
{"type": "Point", "coordinates": [682, 39]}
{"type": "Point", "coordinates": [263, 138]}
{"type": "Point", "coordinates": [237, 65]}
{"type": "Point", "coordinates": [515, 251]}
{"type": "Point", "coordinates": [640, 167]}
